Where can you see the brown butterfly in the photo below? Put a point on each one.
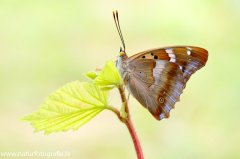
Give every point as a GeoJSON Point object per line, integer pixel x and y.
{"type": "Point", "coordinates": [157, 77]}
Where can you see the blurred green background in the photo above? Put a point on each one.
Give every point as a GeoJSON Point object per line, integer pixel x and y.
{"type": "Point", "coordinates": [46, 44]}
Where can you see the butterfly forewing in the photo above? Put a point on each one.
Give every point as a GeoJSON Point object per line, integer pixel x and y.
{"type": "Point", "coordinates": [189, 58]}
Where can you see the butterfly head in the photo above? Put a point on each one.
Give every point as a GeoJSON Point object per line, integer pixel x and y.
{"type": "Point", "coordinates": [121, 53]}
{"type": "Point", "coordinates": [121, 57]}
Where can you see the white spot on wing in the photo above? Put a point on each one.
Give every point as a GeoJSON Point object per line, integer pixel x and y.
{"type": "Point", "coordinates": [169, 51]}
{"type": "Point", "coordinates": [189, 48]}
{"type": "Point", "coordinates": [171, 55]}
{"type": "Point", "coordinates": [172, 59]}
{"type": "Point", "coordinates": [189, 52]}
{"type": "Point", "coordinates": [180, 68]}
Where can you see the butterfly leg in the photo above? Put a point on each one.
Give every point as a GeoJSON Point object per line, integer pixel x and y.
{"type": "Point", "coordinates": [124, 88]}
{"type": "Point", "coordinates": [128, 97]}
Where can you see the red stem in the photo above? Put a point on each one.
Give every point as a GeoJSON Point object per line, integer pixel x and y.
{"type": "Point", "coordinates": [135, 139]}
{"type": "Point", "coordinates": [130, 126]}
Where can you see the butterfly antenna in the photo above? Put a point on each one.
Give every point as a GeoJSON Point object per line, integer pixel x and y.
{"type": "Point", "coordinates": [120, 30]}
{"type": "Point", "coordinates": [115, 16]}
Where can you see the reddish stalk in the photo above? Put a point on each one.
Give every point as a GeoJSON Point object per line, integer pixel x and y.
{"type": "Point", "coordinates": [135, 139]}
{"type": "Point", "coordinates": [130, 126]}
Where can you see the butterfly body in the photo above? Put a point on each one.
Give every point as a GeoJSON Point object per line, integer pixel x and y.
{"type": "Point", "coordinates": [157, 77]}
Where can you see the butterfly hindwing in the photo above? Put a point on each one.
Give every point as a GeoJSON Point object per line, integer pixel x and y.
{"type": "Point", "coordinates": [156, 84]}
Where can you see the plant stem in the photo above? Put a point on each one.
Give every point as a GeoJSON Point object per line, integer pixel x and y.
{"type": "Point", "coordinates": [130, 126]}
{"type": "Point", "coordinates": [135, 139]}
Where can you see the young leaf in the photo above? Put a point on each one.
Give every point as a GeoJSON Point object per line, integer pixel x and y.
{"type": "Point", "coordinates": [69, 107]}
{"type": "Point", "coordinates": [108, 76]}
{"type": "Point", "coordinates": [91, 74]}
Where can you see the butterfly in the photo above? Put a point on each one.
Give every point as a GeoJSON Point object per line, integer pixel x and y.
{"type": "Point", "coordinates": [157, 77]}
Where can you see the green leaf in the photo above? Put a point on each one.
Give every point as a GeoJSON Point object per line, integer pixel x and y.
{"type": "Point", "coordinates": [69, 107]}
{"type": "Point", "coordinates": [91, 74]}
{"type": "Point", "coordinates": [108, 76]}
